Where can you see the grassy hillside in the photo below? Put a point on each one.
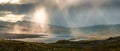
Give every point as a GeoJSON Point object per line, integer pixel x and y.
{"type": "Point", "coordinates": [111, 44]}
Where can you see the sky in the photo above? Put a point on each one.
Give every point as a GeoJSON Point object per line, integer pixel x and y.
{"type": "Point", "coordinates": [68, 13]}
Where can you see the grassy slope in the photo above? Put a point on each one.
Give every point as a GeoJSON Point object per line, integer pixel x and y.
{"type": "Point", "coordinates": [112, 44]}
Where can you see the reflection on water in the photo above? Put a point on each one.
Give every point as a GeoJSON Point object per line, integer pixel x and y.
{"type": "Point", "coordinates": [48, 39]}
{"type": "Point", "coordinates": [51, 38]}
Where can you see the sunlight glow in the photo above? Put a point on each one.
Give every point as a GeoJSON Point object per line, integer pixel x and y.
{"type": "Point", "coordinates": [4, 1]}
{"type": "Point", "coordinates": [40, 16]}
{"type": "Point", "coordinates": [12, 18]}
{"type": "Point", "coordinates": [10, 1]}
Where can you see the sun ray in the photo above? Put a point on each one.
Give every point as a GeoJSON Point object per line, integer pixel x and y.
{"type": "Point", "coordinates": [40, 17]}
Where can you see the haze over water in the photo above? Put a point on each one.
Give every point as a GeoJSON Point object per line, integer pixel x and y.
{"type": "Point", "coordinates": [44, 16]}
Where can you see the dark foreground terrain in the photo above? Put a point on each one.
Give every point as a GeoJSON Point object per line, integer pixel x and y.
{"type": "Point", "coordinates": [111, 44]}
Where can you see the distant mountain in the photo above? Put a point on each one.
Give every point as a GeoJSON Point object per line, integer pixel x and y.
{"type": "Point", "coordinates": [27, 26]}
{"type": "Point", "coordinates": [95, 32]}
{"type": "Point", "coordinates": [110, 30]}
{"type": "Point", "coordinates": [98, 28]}
{"type": "Point", "coordinates": [47, 29]}
{"type": "Point", "coordinates": [5, 26]}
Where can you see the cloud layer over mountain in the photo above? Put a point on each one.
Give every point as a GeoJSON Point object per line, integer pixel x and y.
{"type": "Point", "coordinates": [70, 13]}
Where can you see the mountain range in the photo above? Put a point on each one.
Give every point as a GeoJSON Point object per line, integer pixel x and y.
{"type": "Point", "coordinates": [27, 27]}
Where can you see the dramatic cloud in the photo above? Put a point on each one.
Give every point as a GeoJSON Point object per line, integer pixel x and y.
{"type": "Point", "coordinates": [12, 18]}
{"type": "Point", "coordinates": [17, 1]}
{"type": "Point", "coordinates": [70, 13]}
{"type": "Point", "coordinates": [10, 1]}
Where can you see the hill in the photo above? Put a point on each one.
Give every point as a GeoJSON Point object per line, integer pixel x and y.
{"type": "Point", "coordinates": [101, 28]}
{"type": "Point", "coordinates": [111, 44]}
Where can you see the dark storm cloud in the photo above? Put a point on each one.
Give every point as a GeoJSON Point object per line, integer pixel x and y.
{"type": "Point", "coordinates": [112, 3]}
{"type": "Point", "coordinates": [72, 15]}
{"type": "Point", "coordinates": [88, 14]}
{"type": "Point", "coordinates": [16, 8]}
